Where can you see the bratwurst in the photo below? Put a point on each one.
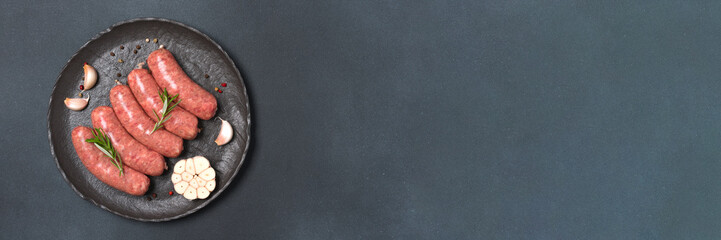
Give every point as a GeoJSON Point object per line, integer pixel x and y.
{"type": "Point", "coordinates": [134, 154]}
{"type": "Point", "coordinates": [146, 91]}
{"type": "Point", "coordinates": [140, 126]}
{"type": "Point", "coordinates": [131, 182]}
{"type": "Point", "coordinates": [168, 74]}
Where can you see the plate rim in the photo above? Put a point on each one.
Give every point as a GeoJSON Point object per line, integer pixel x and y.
{"type": "Point", "coordinates": [247, 131]}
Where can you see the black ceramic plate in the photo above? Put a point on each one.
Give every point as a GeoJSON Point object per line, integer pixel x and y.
{"type": "Point", "coordinates": [198, 55]}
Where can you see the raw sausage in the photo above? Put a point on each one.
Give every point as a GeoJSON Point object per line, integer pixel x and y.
{"type": "Point", "coordinates": [134, 154]}
{"type": "Point", "coordinates": [140, 126]}
{"type": "Point", "coordinates": [168, 74]}
{"type": "Point", "coordinates": [180, 122]}
{"type": "Point", "coordinates": [131, 182]}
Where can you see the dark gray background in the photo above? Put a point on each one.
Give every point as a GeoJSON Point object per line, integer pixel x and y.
{"type": "Point", "coordinates": [410, 119]}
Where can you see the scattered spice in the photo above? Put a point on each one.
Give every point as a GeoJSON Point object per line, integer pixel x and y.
{"type": "Point", "coordinates": [170, 193]}
{"type": "Point", "coordinates": [155, 40]}
{"type": "Point", "coordinates": [147, 40]}
{"type": "Point", "coordinates": [137, 46]}
{"type": "Point", "coordinates": [155, 195]}
{"type": "Point", "coordinates": [82, 87]}
{"type": "Point", "coordinates": [112, 54]}
{"type": "Point", "coordinates": [119, 75]}
{"type": "Point", "coordinates": [206, 76]}
{"type": "Point", "coordinates": [122, 47]}
{"type": "Point", "coordinates": [224, 84]}
{"type": "Point", "coordinates": [148, 198]}
{"type": "Point", "coordinates": [220, 91]}
{"type": "Point", "coordinates": [135, 51]}
{"type": "Point", "coordinates": [216, 89]}
{"type": "Point", "coordinates": [80, 94]}
{"type": "Point", "coordinates": [120, 60]}
{"type": "Point", "coordinates": [83, 77]}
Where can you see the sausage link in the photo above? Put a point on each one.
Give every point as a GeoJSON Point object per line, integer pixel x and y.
{"type": "Point", "coordinates": [181, 122]}
{"type": "Point", "coordinates": [134, 154]}
{"type": "Point", "coordinates": [140, 126]}
{"type": "Point", "coordinates": [131, 182]}
{"type": "Point", "coordinates": [168, 74]}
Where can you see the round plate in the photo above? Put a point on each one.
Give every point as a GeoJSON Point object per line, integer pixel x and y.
{"type": "Point", "coordinates": [198, 55]}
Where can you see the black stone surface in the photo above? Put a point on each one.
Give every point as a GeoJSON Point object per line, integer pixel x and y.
{"type": "Point", "coordinates": [411, 120]}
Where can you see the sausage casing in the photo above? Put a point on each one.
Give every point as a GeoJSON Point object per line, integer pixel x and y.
{"type": "Point", "coordinates": [180, 122]}
{"type": "Point", "coordinates": [168, 74]}
{"type": "Point", "coordinates": [140, 126]}
{"type": "Point", "coordinates": [131, 182]}
{"type": "Point", "coordinates": [134, 154]}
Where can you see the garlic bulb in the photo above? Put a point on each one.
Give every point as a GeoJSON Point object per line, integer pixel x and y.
{"type": "Point", "coordinates": [91, 76]}
{"type": "Point", "coordinates": [76, 104]}
{"type": "Point", "coordinates": [194, 178]}
{"type": "Point", "coordinates": [225, 134]}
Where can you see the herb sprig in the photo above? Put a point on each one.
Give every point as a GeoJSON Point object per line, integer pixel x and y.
{"type": "Point", "coordinates": [165, 112]}
{"type": "Point", "coordinates": [102, 142]}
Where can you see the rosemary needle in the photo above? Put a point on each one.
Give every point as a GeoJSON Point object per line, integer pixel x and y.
{"type": "Point", "coordinates": [165, 112]}
{"type": "Point", "coordinates": [102, 142]}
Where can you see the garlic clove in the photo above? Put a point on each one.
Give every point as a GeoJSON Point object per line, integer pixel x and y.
{"type": "Point", "coordinates": [225, 134]}
{"type": "Point", "coordinates": [176, 178]}
{"type": "Point", "coordinates": [186, 176]}
{"type": "Point", "coordinates": [210, 185]}
{"type": "Point", "coordinates": [77, 104]}
{"type": "Point", "coordinates": [91, 76]}
{"type": "Point", "coordinates": [179, 167]}
{"type": "Point", "coordinates": [190, 166]}
{"type": "Point", "coordinates": [200, 181]}
{"type": "Point", "coordinates": [207, 174]}
{"type": "Point", "coordinates": [181, 187]}
{"type": "Point", "coordinates": [203, 193]}
{"type": "Point", "coordinates": [200, 163]}
{"type": "Point", "coordinates": [193, 183]}
{"type": "Point", "coordinates": [190, 194]}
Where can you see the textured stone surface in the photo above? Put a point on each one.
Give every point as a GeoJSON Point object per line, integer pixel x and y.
{"type": "Point", "coordinates": [469, 119]}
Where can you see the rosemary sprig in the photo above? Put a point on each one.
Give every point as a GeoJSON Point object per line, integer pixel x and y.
{"type": "Point", "coordinates": [165, 112]}
{"type": "Point", "coordinates": [102, 142]}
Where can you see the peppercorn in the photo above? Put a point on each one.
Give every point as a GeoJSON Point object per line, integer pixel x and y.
{"type": "Point", "coordinates": [122, 47]}
{"type": "Point", "coordinates": [147, 40]}
{"type": "Point", "coordinates": [135, 51]}
{"type": "Point", "coordinates": [82, 87]}
{"type": "Point", "coordinates": [224, 84]}
{"type": "Point", "coordinates": [155, 40]}
{"type": "Point", "coordinates": [137, 46]}
{"type": "Point", "coordinates": [220, 91]}
{"type": "Point", "coordinates": [206, 76]}
{"type": "Point", "coordinates": [147, 198]}
{"type": "Point", "coordinates": [118, 74]}
{"type": "Point", "coordinates": [155, 195]}
{"type": "Point", "coordinates": [170, 193]}
{"type": "Point", "coordinates": [216, 89]}
{"type": "Point", "coordinates": [120, 60]}
{"type": "Point", "coordinates": [112, 54]}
